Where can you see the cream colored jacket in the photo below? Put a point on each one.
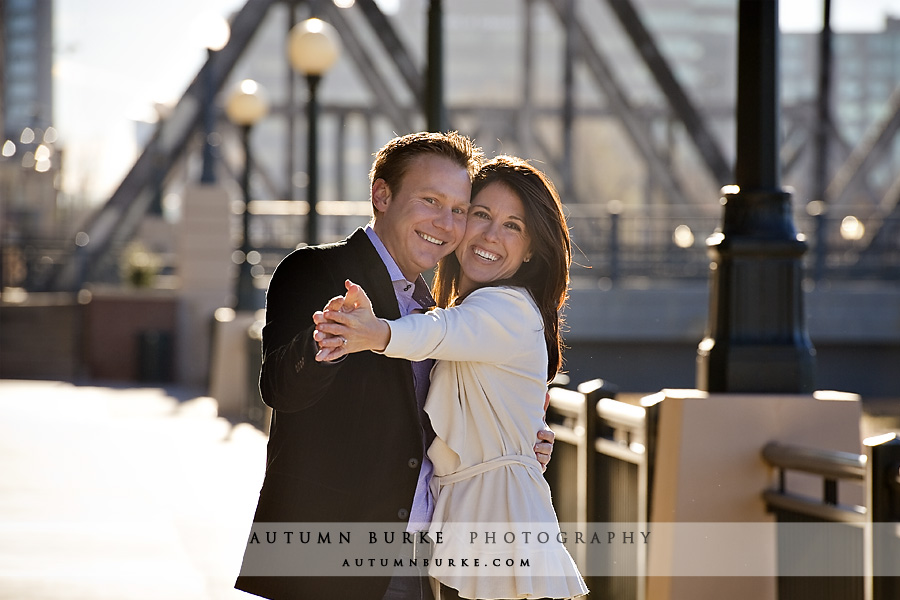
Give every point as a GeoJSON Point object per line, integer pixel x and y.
{"type": "Point", "coordinates": [486, 406]}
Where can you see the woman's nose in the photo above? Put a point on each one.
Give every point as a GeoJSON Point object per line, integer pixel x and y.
{"type": "Point", "coordinates": [492, 231]}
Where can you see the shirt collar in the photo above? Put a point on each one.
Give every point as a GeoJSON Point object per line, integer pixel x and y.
{"type": "Point", "coordinates": [393, 270]}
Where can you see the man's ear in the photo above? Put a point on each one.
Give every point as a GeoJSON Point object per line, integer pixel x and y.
{"type": "Point", "coordinates": [381, 195]}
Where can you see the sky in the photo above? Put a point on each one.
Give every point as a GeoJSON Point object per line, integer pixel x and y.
{"type": "Point", "coordinates": [115, 60]}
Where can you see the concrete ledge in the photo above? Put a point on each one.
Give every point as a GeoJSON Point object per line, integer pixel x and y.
{"type": "Point", "coordinates": [709, 469]}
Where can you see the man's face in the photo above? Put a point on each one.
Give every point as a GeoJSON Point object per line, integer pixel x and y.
{"type": "Point", "coordinates": [425, 219]}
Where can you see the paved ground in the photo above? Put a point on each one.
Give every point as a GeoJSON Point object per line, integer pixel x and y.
{"type": "Point", "coordinates": [132, 493]}
{"type": "Point", "coordinates": [122, 494]}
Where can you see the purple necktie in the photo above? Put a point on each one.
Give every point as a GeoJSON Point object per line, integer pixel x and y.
{"type": "Point", "coordinates": [422, 369]}
{"type": "Point", "coordinates": [421, 294]}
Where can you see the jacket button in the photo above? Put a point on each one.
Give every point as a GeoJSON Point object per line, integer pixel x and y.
{"type": "Point", "coordinates": [413, 463]}
{"type": "Point", "coordinates": [403, 514]}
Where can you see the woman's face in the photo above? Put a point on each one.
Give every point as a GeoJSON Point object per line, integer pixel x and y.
{"type": "Point", "coordinates": [496, 242]}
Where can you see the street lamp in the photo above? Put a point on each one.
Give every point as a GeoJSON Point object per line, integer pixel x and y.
{"type": "Point", "coordinates": [245, 107]}
{"type": "Point", "coordinates": [213, 32]}
{"type": "Point", "coordinates": [313, 48]}
{"type": "Point", "coordinates": [757, 340]}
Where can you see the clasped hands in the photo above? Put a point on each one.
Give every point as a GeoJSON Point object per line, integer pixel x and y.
{"type": "Point", "coordinates": [348, 324]}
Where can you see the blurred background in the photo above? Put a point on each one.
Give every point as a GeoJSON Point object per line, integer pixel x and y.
{"type": "Point", "coordinates": [157, 161]}
{"type": "Point", "coordinates": [123, 179]}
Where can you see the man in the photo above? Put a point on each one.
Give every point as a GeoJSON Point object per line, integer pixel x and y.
{"type": "Point", "coordinates": [347, 439]}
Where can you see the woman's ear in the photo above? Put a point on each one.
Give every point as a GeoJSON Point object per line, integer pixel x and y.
{"type": "Point", "coordinates": [381, 195]}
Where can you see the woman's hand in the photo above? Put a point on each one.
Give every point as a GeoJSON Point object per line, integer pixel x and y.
{"type": "Point", "coordinates": [348, 324]}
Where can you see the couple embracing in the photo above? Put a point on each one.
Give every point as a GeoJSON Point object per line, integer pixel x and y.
{"type": "Point", "coordinates": [389, 410]}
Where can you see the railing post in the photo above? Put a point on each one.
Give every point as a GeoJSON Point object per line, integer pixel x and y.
{"type": "Point", "coordinates": [884, 503]}
{"type": "Point", "coordinates": [615, 210]}
{"type": "Point", "coordinates": [587, 482]}
{"type": "Point", "coordinates": [596, 480]}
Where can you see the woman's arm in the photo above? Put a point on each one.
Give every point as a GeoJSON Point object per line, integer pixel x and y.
{"type": "Point", "coordinates": [491, 325]}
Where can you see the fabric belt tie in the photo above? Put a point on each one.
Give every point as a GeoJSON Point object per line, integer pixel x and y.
{"type": "Point", "coordinates": [439, 481]}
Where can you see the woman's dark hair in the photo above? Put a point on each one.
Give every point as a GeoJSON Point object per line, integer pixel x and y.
{"type": "Point", "coordinates": [546, 275]}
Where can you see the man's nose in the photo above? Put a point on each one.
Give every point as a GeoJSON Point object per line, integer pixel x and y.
{"type": "Point", "coordinates": [444, 220]}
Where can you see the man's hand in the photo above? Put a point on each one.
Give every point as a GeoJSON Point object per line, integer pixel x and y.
{"type": "Point", "coordinates": [335, 304]}
{"type": "Point", "coordinates": [544, 446]}
{"type": "Point", "coordinates": [348, 324]}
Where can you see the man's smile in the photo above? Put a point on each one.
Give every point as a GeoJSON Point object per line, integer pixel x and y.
{"type": "Point", "coordinates": [428, 238]}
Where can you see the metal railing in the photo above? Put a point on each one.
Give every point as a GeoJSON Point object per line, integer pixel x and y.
{"type": "Point", "coordinates": [601, 446]}
{"type": "Point", "coordinates": [602, 472]}
{"type": "Point", "coordinates": [859, 538]}
{"type": "Point", "coordinates": [831, 465]}
{"type": "Point", "coordinates": [658, 243]}
{"type": "Point", "coordinates": [665, 243]}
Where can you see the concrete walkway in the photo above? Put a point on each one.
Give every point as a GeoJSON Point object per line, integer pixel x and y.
{"type": "Point", "coordinates": [132, 493]}
{"type": "Point", "coordinates": [122, 494]}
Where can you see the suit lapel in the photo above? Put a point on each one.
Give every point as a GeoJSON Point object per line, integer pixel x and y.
{"type": "Point", "coordinates": [373, 276]}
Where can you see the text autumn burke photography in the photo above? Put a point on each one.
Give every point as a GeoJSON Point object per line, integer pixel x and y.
{"type": "Point", "coordinates": [266, 535]}
{"type": "Point", "coordinates": [366, 549]}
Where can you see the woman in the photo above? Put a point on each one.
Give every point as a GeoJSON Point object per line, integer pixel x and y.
{"type": "Point", "coordinates": [497, 344]}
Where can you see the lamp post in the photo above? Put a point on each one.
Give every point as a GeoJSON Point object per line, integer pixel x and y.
{"type": "Point", "coordinates": [757, 340]}
{"type": "Point", "coordinates": [435, 112]}
{"type": "Point", "coordinates": [245, 107]}
{"type": "Point", "coordinates": [313, 48]}
{"type": "Point", "coordinates": [214, 32]}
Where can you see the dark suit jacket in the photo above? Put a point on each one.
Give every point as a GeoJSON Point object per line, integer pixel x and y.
{"type": "Point", "coordinates": [345, 443]}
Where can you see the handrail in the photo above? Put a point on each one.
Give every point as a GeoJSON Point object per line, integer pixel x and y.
{"type": "Point", "coordinates": [566, 402]}
{"type": "Point", "coordinates": [827, 463]}
{"type": "Point", "coordinates": [792, 503]}
{"type": "Point", "coordinates": [621, 413]}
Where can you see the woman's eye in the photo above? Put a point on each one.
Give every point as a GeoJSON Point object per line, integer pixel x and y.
{"type": "Point", "coordinates": [514, 226]}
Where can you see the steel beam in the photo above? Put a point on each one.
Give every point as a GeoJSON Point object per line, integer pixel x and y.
{"type": "Point", "coordinates": [873, 146]}
{"type": "Point", "coordinates": [384, 30]}
{"type": "Point", "coordinates": [621, 107]}
{"type": "Point", "coordinates": [368, 70]}
{"type": "Point", "coordinates": [682, 106]}
{"type": "Point", "coordinates": [118, 218]}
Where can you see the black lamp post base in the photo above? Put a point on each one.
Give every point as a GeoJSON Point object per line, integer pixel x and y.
{"type": "Point", "coordinates": [756, 369]}
{"type": "Point", "coordinates": [757, 340]}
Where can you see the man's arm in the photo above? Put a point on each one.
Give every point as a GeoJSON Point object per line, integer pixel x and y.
{"type": "Point", "coordinates": [544, 446]}
{"type": "Point", "coordinates": [291, 379]}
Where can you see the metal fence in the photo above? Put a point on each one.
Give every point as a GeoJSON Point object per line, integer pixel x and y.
{"type": "Point", "coordinates": [659, 243]}
{"type": "Point", "coordinates": [860, 541]}
{"type": "Point", "coordinates": [602, 472]}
